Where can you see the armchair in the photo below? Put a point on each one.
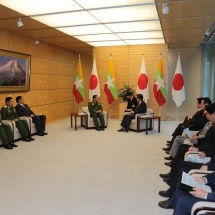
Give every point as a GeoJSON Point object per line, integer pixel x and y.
{"type": "Point", "coordinates": [87, 121]}
{"type": "Point", "coordinates": [142, 123]}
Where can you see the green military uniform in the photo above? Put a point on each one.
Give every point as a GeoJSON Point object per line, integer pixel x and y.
{"type": "Point", "coordinates": [9, 113]}
{"type": "Point", "coordinates": [6, 134]}
{"type": "Point", "coordinates": [93, 107]}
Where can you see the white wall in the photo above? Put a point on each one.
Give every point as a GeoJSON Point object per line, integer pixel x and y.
{"type": "Point", "coordinates": [191, 68]}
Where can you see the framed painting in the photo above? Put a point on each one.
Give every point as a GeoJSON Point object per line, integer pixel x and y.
{"type": "Point", "coordinates": [14, 71]}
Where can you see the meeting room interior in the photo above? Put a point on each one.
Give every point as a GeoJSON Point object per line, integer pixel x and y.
{"type": "Point", "coordinates": [106, 85]}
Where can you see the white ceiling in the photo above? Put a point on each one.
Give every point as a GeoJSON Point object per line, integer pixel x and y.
{"type": "Point", "coordinates": [97, 22]}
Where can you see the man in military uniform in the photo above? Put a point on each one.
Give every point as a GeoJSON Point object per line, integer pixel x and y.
{"type": "Point", "coordinates": [95, 109]}
{"type": "Point", "coordinates": [8, 112]}
{"type": "Point", "coordinates": [6, 136]}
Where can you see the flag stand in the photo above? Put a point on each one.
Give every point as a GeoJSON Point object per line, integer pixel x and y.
{"type": "Point", "coordinates": [176, 118]}
{"type": "Point", "coordinates": [111, 110]}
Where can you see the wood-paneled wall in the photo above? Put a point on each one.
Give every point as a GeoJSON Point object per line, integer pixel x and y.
{"type": "Point", "coordinates": [51, 78]}
{"type": "Point", "coordinates": [127, 63]}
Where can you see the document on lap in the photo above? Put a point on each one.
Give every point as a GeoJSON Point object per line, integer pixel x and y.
{"type": "Point", "coordinates": [187, 132]}
{"type": "Point", "coordinates": [189, 181]}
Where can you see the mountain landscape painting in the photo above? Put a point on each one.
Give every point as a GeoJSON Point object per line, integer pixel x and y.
{"type": "Point", "coordinates": [14, 72]}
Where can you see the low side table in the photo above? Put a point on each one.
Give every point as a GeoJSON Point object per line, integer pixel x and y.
{"type": "Point", "coordinates": [76, 115]}
{"type": "Point", "coordinates": [149, 119]}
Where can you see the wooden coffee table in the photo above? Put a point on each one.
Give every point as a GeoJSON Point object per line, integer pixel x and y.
{"type": "Point", "coordinates": [148, 119]}
{"type": "Point", "coordinates": [76, 115]}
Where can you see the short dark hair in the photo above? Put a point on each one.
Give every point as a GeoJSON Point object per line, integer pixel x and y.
{"type": "Point", "coordinates": [18, 98]}
{"type": "Point", "coordinates": [7, 99]}
{"type": "Point", "coordinates": [210, 108]}
{"type": "Point", "coordinates": [129, 94]}
{"type": "Point", "coordinates": [207, 100]}
{"type": "Point", "coordinates": [94, 96]}
{"type": "Point", "coordinates": [140, 96]}
{"type": "Point", "coordinates": [199, 100]}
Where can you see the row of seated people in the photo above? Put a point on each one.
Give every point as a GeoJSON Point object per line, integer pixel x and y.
{"type": "Point", "coordinates": [202, 143]}
{"type": "Point", "coordinates": [11, 113]}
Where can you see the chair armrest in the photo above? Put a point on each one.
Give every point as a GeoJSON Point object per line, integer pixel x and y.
{"type": "Point", "coordinates": [199, 172]}
{"type": "Point", "coordinates": [203, 206]}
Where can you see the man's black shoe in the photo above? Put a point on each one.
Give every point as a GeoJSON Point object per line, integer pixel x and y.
{"type": "Point", "coordinates": [164, 193]}
{"type": "Point", "coordinates": [13, 145]}
{"type": "Point", "coordinates": [169, 158]}
{"type": "Point", "coordinates": [167, 152]}
{"type": "Point", "coordinates": [31, 138]}
{"type": "Point", "coordinates": [169, 141]}
{"type": "Point", "coordinates": [40, 134]}
{"type": "Point", "coordinates": [102, 128]}
{"type": "Point", "coordinates": [98, 129]}
{"type": "Point", "coordinates": [1, 145]}
{"type": "Point", "coordinates": [166, 180]}
{"type": "Point", "coordinates": [165, 175]}
{"type": "Point", "coordinates": [26, 139]}
{"type": "Point", "coordinates": [165, 204]}
{"type": "Point", "coordinates": [44, 133]}
{"type": "Point", "coordinates": [166, 149]}
{"type": "Point", "coordinates": [168, 163]}
{"type": "Point", "coordinates": [120, 130]}
{"type": "Point", "coordinates": [8, 147]}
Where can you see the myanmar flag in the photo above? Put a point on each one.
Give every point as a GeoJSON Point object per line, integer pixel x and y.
{"type": "Point", "coordinates": [159, 87]}
{"type": "Point", "coordinates": [110, 84]}
{"type": "Point", "coordinates": [78, 87]}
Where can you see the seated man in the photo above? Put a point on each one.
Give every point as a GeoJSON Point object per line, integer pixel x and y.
{"type": "Point", "coordinates": [183, 201]}
{"type": "Point", "coordinates": [206, 144]}
{"type": "Point", "coordinates": [196, 122]}
{"type": "Point", "coordinates": [39, 120]}
{"type": "Point", "coordinates": [132, 101]}
{"type": "Point", "coordinates": [141, 108]}
{"type": "Point", "coordinates": [95, 109]}
{"type": "Point", "coordinates": [6, 136]}
{"type": "Point", "coordinates": [8, 112]}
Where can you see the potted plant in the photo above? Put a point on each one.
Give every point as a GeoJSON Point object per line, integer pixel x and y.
{"type": "Point", "coordinates": [123, 90]}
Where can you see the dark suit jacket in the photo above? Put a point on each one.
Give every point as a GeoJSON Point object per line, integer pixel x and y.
{"type": "Point", "coordinates": [132, 103]}
{"type": "Point", "coordinates": [141, 108]}
{"type": "Point", "coordinates": [198, 120]}
{"type": "Point", "coordinates": [23, 111]}
{"type": "Point", "coordinates": [208, 143]}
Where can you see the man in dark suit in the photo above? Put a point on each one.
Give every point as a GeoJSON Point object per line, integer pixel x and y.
{"type": "Point", "coordinates": [197, 121]}
{"type": "Point", "coordinates": [24, 110]}
{"type": "Point", "coordinates": [141, 108]}
{"type": "Point", "coordinates": [132, 101]}
{"type": "Point", "coordinates": [183, 201]}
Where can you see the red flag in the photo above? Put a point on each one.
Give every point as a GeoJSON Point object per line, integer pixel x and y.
{"type": "Point", "coordinates": [78, 87]}
{"type": "Point", "coordinates": [178, 92]}
{"type": "Point", "coordinates": [94, 82]}
{"type": "Point", "coordinates": [110, 83]}
{"type": "Point", "coordinates": [159, 87]}
{"type": "Point", "coordinates": [142, 83]}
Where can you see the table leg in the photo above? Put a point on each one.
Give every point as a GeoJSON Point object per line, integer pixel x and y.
{"type": "Point", "coordinates": [159, 124]}
{"type": "Point", "coordinates": [75, 122]}
{"type": "Point", "coordinates": [146, 126]}
{"type": "Point", "coordinates": [71, 121]}
{"type": "Point", "coordinates": [138, 124]}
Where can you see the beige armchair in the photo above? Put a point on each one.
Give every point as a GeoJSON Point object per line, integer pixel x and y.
{"type": "Point", "coordinates": [203, 208]}
{"type": "Point", "coordinates": [140, 125]}
{"type": "Point", "coordinates": [87, 121]}
{"type": "Point", "coordinates": [30, 123]}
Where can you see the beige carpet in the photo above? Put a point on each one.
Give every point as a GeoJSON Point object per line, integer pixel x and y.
{"type": "Point", "coordinates": [85, 172]}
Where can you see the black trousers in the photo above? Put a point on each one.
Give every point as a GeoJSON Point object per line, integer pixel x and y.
{"type": "Point", "coordinates": [40, 122]}
{"type": "Point", "coordinates": [126, 121]}
{"type": "Point", "coordinates": [184, 166]}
